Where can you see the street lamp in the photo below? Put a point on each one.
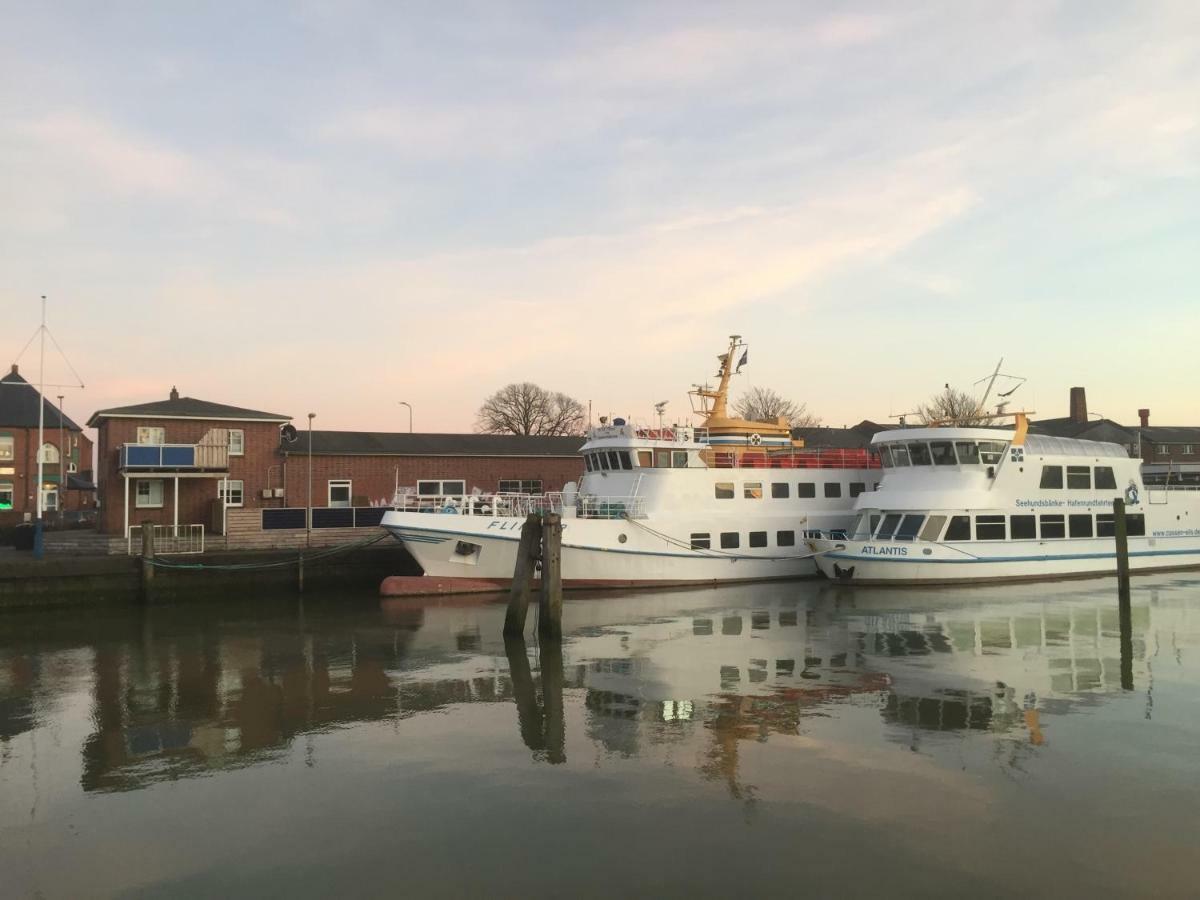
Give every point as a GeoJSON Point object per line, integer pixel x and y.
{"type": "Point", "coordinates": [409, 405]}
{"type": "Point", "coordinates": [308, 518]}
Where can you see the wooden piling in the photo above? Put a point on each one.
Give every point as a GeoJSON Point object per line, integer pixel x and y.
{"type": "Point", "coordinates": [1125, 611]}
{"type": "Point", "coordinates": [550, 609]}
{"type": "Point", "coordinates": [147, 581]}
{"type": "Point", "coordinates": [523, 571]}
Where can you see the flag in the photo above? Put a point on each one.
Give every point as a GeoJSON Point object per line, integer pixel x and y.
{"type": "Point", "coordinates": [745, 359]}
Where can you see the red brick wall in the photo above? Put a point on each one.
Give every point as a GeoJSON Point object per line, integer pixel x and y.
{"type": "Point", "coordinates": [24, 475]}
{"type": "Point", "coordinates": [196, 495]}
{"type": "Point", "coordinates": [374, 477]}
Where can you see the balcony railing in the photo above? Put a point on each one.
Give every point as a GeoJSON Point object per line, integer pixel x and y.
{"type": "Point", "coordinates": [195, 457]}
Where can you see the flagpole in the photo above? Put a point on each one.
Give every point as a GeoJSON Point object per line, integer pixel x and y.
{"type": "Point", "coordinates": [38, 538]}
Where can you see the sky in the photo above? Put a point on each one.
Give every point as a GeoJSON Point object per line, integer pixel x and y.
{"type": "Point", "coordinates": [332, 207]}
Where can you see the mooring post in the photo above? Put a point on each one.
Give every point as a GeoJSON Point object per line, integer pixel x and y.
{"type": "Point", "coordinates": [550, 610]}
{"type": "Point", "coordinates": [147, 559]}
{"type": "Point", "coordinates": [1125, 611]}
{"type": "Point", "coordinates": [522, 582]}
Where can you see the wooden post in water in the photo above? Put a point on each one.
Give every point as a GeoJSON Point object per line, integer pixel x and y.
{"type": "Point", "coordinates": [1125, 611]}
{"type": "Point", "coordinates": [147, 559]}
{"type": "Point", "coordinates": [550, 610]}
{"type": "Point", "coordinates": [522, 582]}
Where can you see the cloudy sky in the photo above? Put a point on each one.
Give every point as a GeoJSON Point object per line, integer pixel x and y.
{"type": "Point", "coordinates": [335, 206]}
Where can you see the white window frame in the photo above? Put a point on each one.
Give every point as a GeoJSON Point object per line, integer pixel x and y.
{"type": "Point", "coordinates": [72, 468]}
{"type": "Point", "coordinates": [339, 482]}
{"type": "Point", "coordinates": [50, 498]}
{"type": "Point", "coordinates": [147, 433]}
{"type": "Point", "coordinates": [441, 487]}
{"type": "Point", "coordinates": [137, 496]}
{"type": "Point", "coordinates": [240, 491]}
{"type": "Point", "coordinates": [8, 447]}
{"type": "Point", "coordinates": [6, 487]}
{"type": "Point", "coordinates": [520, 483]}
{"type": "Point", "coordinates": [49, 450]}
{"type": "Point", "coordinates": [237, 447]}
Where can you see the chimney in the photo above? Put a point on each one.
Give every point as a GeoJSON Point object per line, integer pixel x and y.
{"type": "Point", "coordinates": [15, 370]}
{"type": "Point", "coordinates": [1144, 415]}
{"type": "Point", "coordinates": [1078, 405]}
{"type": "Point", "coordinates": [174, 393]}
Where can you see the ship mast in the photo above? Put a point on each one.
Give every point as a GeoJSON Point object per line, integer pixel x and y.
{"type": "Point", "coordinates": [719, 396]}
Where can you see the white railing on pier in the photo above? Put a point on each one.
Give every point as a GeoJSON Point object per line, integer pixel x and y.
{"type": "Point", "coordinates": [581, 506]}
{"type": "Point", "coordinates": [173, 539]}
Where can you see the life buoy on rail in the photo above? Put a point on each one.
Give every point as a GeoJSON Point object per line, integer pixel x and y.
{"type": "Point", "coordinates": [756, 438]}
{"type": "Point", "coordinates": [449, 508]}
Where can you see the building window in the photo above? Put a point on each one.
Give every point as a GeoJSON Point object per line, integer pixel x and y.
{"type": "Point", "coordinates": [72, 468]}
{"type": "Point", "coordinates": [806, 490]}
{"type": "Point", "coordinates": [235, 492]}
{"type": "Point", "coordinates": [758, 539]}
{"type": "Point", "coordinates": [1080, 526]}
{"type": "Point", "coordinates": [701, 540]}
{"type": "Point", "coordinates": [752, 490]}
{"type": "Point", "coordinates": [148, 494]}
{"type": "Point", "coordinates": [517, 486]}
{"type": "Point", "coordinates": [833, 489]}
{"type": "Point", "coordinates": [1079, 478]}
{"type": "Point", "coordinates": [1162, 450]}
{"type": "Point", "coordinates": [780, 490]}
{"type": "Point", "coordinates": [723, 490]}
{"type": "Point", "coordinates": [785, 538]}
{"type": "Point", "coordinates": [1053, 527]}
{"type": "Point", "coordinates": [237, 442]}
{"type": "Point", "coordinates": [1051, 478]}
{"type": "Point", "coordinates": [7, 446]}
{"type": "Point", "coordinates": [449, 488]}
{"type": "Point", "coordinates": [151, 434]}
{"type": "Point", "coordinates": [49, 454]}
{"type": "Point", "coordinates": [6, 495]}
{"type": "Point", "coordinates": [1186, 450]}
{"type": "Point", "coordinates": [1105, 479]}
{"type": "Point", "coordinates": [989, 528]}
{"type": "Point", "coordinates": [1023, 528]}
{"type": "Point", "coordinates": [49, 497]}
{"type": "Point", "coordinates": [856, 488]}
{"type": "Point", "coordinates": [730, 540]}
{"type": "Point", "coordinates": [339, 492]}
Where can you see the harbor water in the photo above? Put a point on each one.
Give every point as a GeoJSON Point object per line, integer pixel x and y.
{"type": "Point", "coordinates": [797, 739]}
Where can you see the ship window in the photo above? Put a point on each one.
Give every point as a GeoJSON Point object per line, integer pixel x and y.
{"type": "Point", "coordinates": [701, 540]}
{"type": "Point", "coordinates": [626, 462]}
{"type": "Point", "coordinates": [1080, 526]}
{"type": "Point", "coordinates": [1053, 527]}
{"type": "Point", "coordinates": [885, 456]}
{"type": "Point", "coordinates": [991, 452]}
{"type": "Point", "coordinates": [729, 540]}
{"type": "Point", "coordinates": [1135, 524]}
{"type": "Point", "coordinates": [752, 490]}
{"type": "Point", "coordinates": [856, 488]}
{"type": "Point", "coordinates": [1105, 526]}
{"type": "Point", "coordinates": [909, 527]}
{"type": "Point", "coordinates": [968, 453]}
{"type": "Point", "coordinates": [723, 490]}
{"type": "Point", "coordinates": [890, 521]}
{"type": "Point", "coordinates": [679, 459]}
{"type": "Point", "coordinates": [780, 490]}
{"type": "Point", "coordinates": [899, 455]}
{"type": "Point", "coordinates": [1105, 478]}
{"type": "Point", "coordinates": [806, 490]}
{"type": "Point", "coordinates": [785, 538]}
{"type": "Point", "coordinates": [614, 460]}
{"type": "Point", "coordinates": [833, 489]}
{"type": "Point", "coordinates": [943, 453]}
{"type": "Point", "coordinates": [758, 539]}
{"type": "Point", "coordinates": [1079, 478]}
{"type": "Point", "coordinates": [1024, 528]}
{"type": "Point", "coordinates": [919, 454]}
{"type": "Point", "coordinates": [989, 528]}
{"type": "Point", "coordinates": [646, 459]}
{"type": "Point", "coordinates": [1051, 477]}
{"type": "Point", "coordinates": [587, 461]}
{"type": "Point", "coordinates": [874, 523]}
{"type": "Point", "coordinates": [959, 529]}
{"type": "Point", "coordinates": [933, 527]}
{"type": "Point", "coordinates": [663, 459]}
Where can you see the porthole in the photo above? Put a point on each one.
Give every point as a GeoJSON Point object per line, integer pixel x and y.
{"type": "Point", "coordinates": [622, 538]}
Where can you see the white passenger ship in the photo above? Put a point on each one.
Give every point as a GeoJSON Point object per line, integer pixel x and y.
{"type": "Point", "coordinates": [727, 501]}
{"type": "Point", "coordinates": [981, 504]}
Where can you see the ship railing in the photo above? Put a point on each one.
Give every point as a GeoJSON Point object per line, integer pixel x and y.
{"type": "Point", "coordinates": [575, 505]}
{"type": "Point", "coordinates": [791, 459]}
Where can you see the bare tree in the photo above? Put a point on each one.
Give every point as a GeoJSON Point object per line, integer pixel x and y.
{"type": "Point", "coordinates": [953, 407]}
{"type": "Point", "coordinates": [765, 405]}
{"type": "Point", "coordinates": [526, 408]}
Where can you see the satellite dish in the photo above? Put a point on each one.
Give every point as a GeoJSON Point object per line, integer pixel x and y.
{"type": "Point", "coordinates": [288, 433]}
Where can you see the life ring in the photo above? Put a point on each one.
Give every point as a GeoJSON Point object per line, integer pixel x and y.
{"type": "Point", "coordinates": [449, 509]}
{"type": "Point", "coordinates": [756, 438]}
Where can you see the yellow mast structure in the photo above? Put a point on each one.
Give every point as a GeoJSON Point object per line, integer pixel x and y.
{"type": "Point", "coordinates": [714, 406]}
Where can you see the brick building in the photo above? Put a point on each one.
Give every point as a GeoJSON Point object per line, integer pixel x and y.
{"type": "Point", "coordinates": [169, 461]}
{"type": "Point", "coordinates": [363, 468]}
{"type": "Point", "coordinates": [66, 457]}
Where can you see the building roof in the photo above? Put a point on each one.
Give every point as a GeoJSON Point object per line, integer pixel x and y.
{"type": "Point", "coordinates": [176, 407]}
{"type": "Point", "coordinates": [856, 437]}
{"type": "Point", "coordinates": [1171, 434]}
{"type": "Point", "coordinates": [19, 405]}
{"type": "Point", "coordinates": [1091, 430]}
{"type": "Point", "coordinates": [378, 443]}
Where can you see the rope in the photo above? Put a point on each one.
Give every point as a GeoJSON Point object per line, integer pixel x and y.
{"type": "Point", "coordinates": [708, 551]}
{"type": "Point", "coordinates": [242, 567]}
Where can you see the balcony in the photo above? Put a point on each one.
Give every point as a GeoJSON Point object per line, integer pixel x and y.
{"type": "Point", "coordinates": [174, 457]}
